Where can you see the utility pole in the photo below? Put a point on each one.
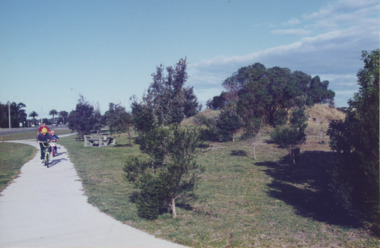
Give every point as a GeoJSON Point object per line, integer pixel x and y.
{"type": "Point", "coordinates": [9, 114]}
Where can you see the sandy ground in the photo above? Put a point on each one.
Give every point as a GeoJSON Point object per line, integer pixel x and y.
{"type": "Point", "coordinates": [46, 207]}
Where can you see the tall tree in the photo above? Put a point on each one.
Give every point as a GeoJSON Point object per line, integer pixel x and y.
{"type": "Point", "coordinates": [318, 92]}
{"type": "Point", "coordinates": [142, 116]}
{"type": "Point", "coordinates": [84, 118]}
{"type": "Point", "coordinates": [63, 115]}
{"type": "Point", "coordinates": [17, 114]}
{"type": "Point", "coordinates": [118, 119]}
{"type": "Point", "coordinates": [357, 139]}
{"type": "Point", "coordinates": [268, 94]}
{"type": "Point", "coordinates": [191, 105]}
{"type": "Point", "coordinates": [217, 102]}
{"type": "Point", "coordinates": [33, 114]}
{"type": "Point", "coordinates": [168, 98]}
{"type": "Point", "coordinates": [53, 112]}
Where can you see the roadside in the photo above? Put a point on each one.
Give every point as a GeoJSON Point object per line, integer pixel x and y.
{"type": "Point", "coordinates": [47, 208]}
{"type": "Point", "coordinates": [5, 131]}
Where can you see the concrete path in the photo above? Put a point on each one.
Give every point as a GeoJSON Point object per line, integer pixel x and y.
{"type": "Point", "coordinates": [46, 207]}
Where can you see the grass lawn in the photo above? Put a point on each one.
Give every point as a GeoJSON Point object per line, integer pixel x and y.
{"type": "Point", "coordinates": [12, 157]}
{"type": "Point", "coordinates": [241, 202]}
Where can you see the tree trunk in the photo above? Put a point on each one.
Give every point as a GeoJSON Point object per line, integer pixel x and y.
{"type": "Point", "coordinates": [129, 136]}
{"type": "Point", "coordinates": [292, 155]}
{"type": "Point", "coordinates": [254, 151]}
{"type": "Point", "coordinates": [172, 206]}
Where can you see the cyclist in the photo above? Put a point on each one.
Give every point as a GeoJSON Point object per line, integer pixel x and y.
{"type": "Point", "coordinates": [42, 127]}
{"type": "Point", "coordinates": [54, 138]}
{"type": "Point", "coordinates": [43, 137]}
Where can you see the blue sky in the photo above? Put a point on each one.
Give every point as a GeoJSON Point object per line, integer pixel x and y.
{"type": "Point", "coordinates": [106, 50]}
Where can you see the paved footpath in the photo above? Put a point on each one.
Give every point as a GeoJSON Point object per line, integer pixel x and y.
{"type": "Point", "coordinates": [46, 207]}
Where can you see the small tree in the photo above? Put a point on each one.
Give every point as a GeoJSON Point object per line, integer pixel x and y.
{"type": "Point", "coordinates": [169, 174]}
{"type": "Point", "coordinates": [292, 136]}
{"type": "Point", "coordinates": [228, 123]}
{"type": "Point", "coordinates": [252, 132]}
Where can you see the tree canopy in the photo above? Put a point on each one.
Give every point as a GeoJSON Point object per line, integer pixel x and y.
{"type": "Point", "coordinates": [117, 118]}
{"type": "Point", "coordinates": [167, 100]}
{"type": "Point", "coordinates": [18, 114]}
{"type": "Point", "coordinates": [84, 118]}
{"type": "Point", "coordinates": [268, 94]}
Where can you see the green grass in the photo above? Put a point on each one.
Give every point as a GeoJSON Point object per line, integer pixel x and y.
{"type": "Point", "coordinates": [12, 157]}
{"type": "Point", "coordinates": [241, 202]}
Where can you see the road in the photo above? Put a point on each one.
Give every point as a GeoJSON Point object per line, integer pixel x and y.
{"type": "Point", "coordinates": [4, 131]}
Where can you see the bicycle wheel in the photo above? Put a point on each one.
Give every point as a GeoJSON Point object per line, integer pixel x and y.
{"type": "Point", "coordinates": [47, 156]}
{"type": "Point", "coordinates": [52, 152]}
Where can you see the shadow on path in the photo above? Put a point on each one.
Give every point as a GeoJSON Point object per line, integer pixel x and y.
{"type": "Point", "coordinates": [56, 161]}
{"type": "Point", "coordinates": [307, 188]}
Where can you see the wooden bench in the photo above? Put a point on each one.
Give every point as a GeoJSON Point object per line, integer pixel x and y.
{"type": "Point", "coordinates": [99, 140]}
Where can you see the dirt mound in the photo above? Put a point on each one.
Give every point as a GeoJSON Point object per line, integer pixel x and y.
{"type": "Point", "coordinates": [320, 116]}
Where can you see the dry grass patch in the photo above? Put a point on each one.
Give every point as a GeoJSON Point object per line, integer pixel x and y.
{"type": "Point", "coordinates": [320, 116]}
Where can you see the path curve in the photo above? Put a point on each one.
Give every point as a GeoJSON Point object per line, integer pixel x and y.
{"type": "Point", "coordinates": [47, 208]}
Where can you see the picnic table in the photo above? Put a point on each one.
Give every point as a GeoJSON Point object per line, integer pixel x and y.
{"type": "Point", "coordinates": [99, 140]}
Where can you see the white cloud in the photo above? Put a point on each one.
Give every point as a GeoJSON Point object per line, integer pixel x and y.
{"type": "Point", "coordinates": [298, 32]}
{"type": "Point", "coordinates": [291, 22]}
{"type": "Point", "coordinates": [345, 12]}
{"type": "Point", "coordinates": [342, 6]}
{"type": "Point", "coordinates": [343, 29]}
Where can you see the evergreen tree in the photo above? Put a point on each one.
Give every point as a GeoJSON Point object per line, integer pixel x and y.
{"type": "Point", "coordinates": [357, 140]}
{"type": "Point", "coordinates": [269, 94]}
{"type": "Point", "coordinates": [292, 136]}
{"type": "Point", "coordinates": [33, 114]}
{"type": "Point", "coordinates": [170, 172]}
{"type": "Point", "coordinates": [84, 118]}
{"type": "Point", "coordinates": [53, 112]}
{"type": "Point", "coordinates": [217, 102]}
{"type": "Point", "coordinates": [63, 115]}
{"type": "Point", "coordinates": [142, 117]}
{"type": "Point", "coordinates": [227, 124]}
{"type": "Point", "coordinates": [117, 119]}
{"type": "Point", "coordinates": [17, 114]}
{"type": "Point", "coordinates": [167, 98]}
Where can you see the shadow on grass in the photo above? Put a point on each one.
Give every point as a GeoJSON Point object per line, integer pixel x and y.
{"type": "Point", "coordinates": [122, 145]}
{"type": "Point", "coordinates": [306, 186]}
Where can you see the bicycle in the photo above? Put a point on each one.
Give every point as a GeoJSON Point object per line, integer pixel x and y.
{"type": "Point", "coordinates": [47, 149]}
{"type": "Point", "coordinates": [54, 147]}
